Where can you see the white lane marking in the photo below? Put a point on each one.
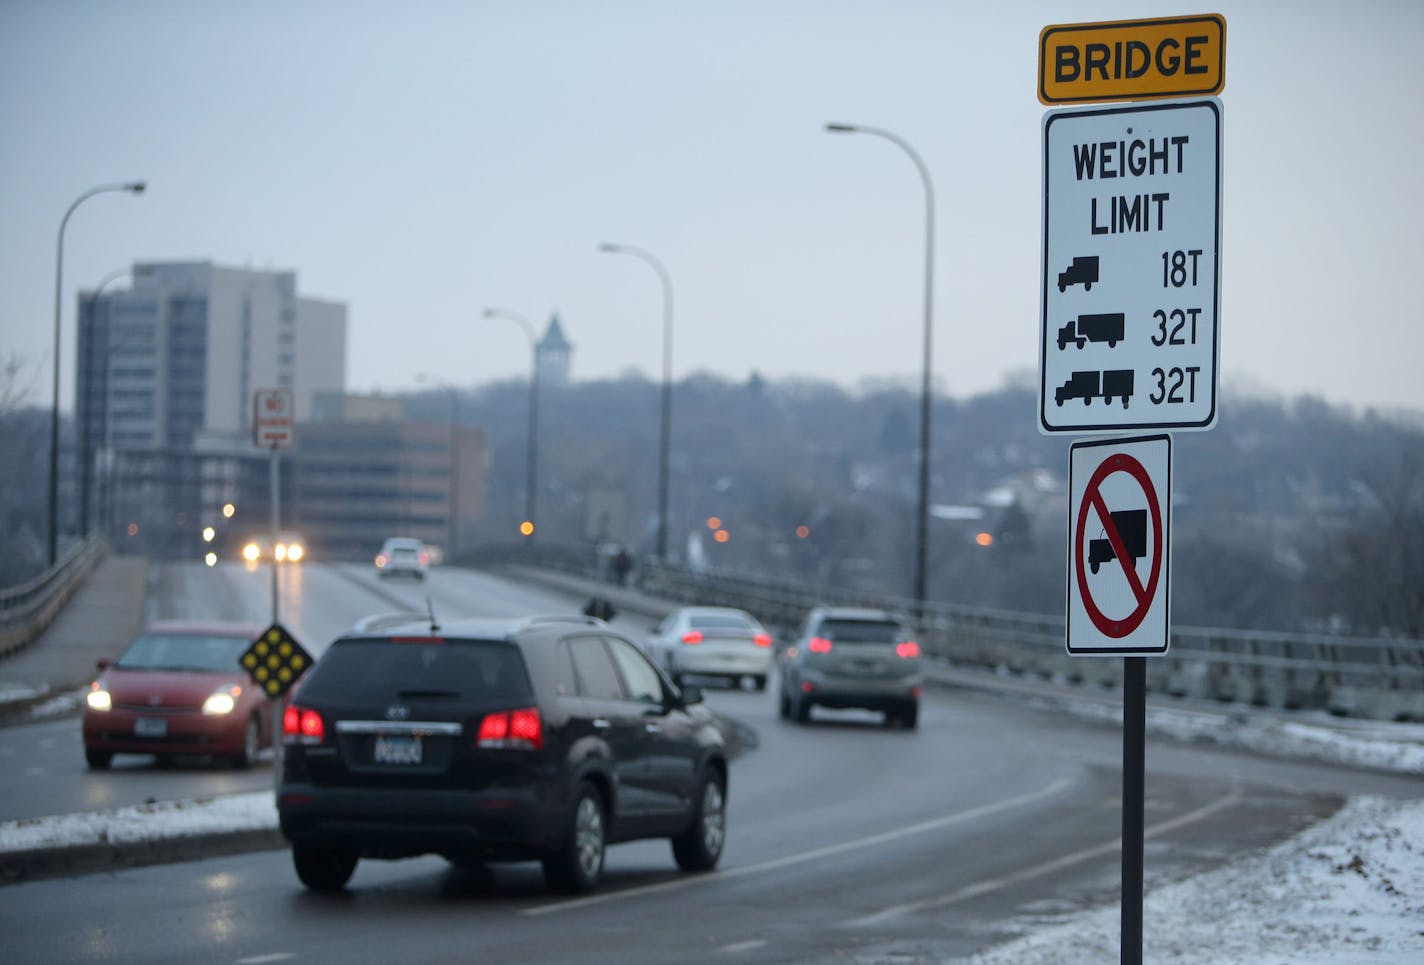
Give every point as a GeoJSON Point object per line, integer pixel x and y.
{"type": "Point", "coordinates": [814, 854]}
{"type": "Point", "coordinates": [1047, 867]}
{"type": "Point", "coordinates": [263, 959]}
{"type": "Point", "coordinates": [740, 947]}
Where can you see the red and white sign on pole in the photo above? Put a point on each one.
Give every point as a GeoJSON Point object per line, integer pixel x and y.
{"type": "Point", "coordinates": [273, 418]}
{"type": "Point", "coordinates": [1119, 525]}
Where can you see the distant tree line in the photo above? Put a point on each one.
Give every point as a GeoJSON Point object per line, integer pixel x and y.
{"type": "Point", "coordinates": [1289, 514]}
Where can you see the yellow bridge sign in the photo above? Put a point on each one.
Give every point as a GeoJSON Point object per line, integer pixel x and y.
{"type": "Point", "coordinates": [1130, 60]}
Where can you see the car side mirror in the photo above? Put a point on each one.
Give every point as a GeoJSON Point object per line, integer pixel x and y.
{"type": "Point", "coordinates": [691, 694]}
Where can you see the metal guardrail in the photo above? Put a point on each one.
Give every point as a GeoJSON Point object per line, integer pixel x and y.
{"type": "Point", "coordinates": [1377, 677]}
{"type": "Point", "coordinates": [26, 609]}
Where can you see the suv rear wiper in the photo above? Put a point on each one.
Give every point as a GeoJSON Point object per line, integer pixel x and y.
{"type": "Point", "coordinates": [427, 693]}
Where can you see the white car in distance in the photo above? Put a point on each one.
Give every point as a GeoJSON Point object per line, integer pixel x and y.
{"type": "Point", "coordinates": [706, 641]}
{"type": "Point", "coordinates": [402, 556]}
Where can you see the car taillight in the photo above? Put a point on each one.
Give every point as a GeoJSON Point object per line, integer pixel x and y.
{"type": "Point", "coordinates": [907, 649]}
{"type": "Point", "coordinates": [302, 725]}
{"type": "Point", "coordinates": [522, 729]}
{"type": "Point", "coordinates": [424, 559]}
{"type": "Point", "coordinates": [819, 645]}
{"type": "Point", "coordinates": [380, 560]}
{"type": "Point", "coordinates": [762, 639]}
{"type": "Point", "coordinates": [692, 636]}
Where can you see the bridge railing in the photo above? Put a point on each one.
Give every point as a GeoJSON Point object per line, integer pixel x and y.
{"type": "Point", "coordinates": [26, 609]}
{"type": "Point", "coordinates": [1377, 677]}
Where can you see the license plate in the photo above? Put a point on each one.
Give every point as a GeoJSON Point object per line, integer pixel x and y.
{"type": "Point", "coordinates": [397, 750]}
{"type": "Point", "coordinates": [150, 727]}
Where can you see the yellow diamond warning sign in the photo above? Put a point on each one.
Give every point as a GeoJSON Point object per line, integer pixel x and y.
{"type": "Point", "coordinates": [1130, 60]}
{"type": "Point", "coordinates": [275, 661]}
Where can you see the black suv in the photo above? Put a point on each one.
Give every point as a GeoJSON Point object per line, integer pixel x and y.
{"type": "Point", "coordinates": [541, 738]}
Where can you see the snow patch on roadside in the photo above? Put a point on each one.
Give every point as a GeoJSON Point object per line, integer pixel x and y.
{"type": "Point", "coordinates": [1348, 889]}
{"type": "Point", "coordinates": [256, 811]}
{"type": "Point", "coordinates": [1377, 749]}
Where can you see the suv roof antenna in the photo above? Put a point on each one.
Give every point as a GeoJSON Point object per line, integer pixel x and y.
{"type": "Point", "coordinates": [430, 608]}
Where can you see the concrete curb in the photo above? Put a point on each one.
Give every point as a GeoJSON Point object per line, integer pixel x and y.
{"type": "Point", "coordinates": [66, 861]}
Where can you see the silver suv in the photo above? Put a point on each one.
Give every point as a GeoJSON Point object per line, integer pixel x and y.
{"type": "Point", "coordinates": [853, 657]}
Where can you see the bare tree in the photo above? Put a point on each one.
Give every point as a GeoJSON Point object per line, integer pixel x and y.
{"type": "Point", "coordinates": [17, 382]}
{"type": "Point", "coordinates": [1374, 567]}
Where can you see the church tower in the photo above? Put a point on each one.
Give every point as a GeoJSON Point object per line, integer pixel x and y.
{"type": "Point", "coordinates": [554, 355]}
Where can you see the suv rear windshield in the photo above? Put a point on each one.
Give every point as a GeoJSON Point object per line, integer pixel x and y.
{"type": "Point", "coordinates": [383, 669]}
{"type": "Point", "coordinates": [861, 631]}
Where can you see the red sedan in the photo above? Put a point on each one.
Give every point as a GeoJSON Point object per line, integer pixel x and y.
{"type": "Point", "coordinates": [178, 689]}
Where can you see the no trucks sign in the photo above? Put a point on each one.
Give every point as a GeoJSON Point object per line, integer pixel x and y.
{"type": "Point", "coordinates": [1119, 559]}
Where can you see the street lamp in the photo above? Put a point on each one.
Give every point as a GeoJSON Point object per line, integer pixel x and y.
{"type": "Point", "coordinates": [922, 517]}
{"type": "Point", "coordinates": [86, 378]}
{"type": "Point", "coordinates": [657, 266]}
{"type": "Point", "coordinates": [531, 446]}
{"type": "Point", "coordinates": [133, 187]}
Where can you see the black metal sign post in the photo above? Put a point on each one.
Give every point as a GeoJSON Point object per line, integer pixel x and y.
{"type": "Point", "coordinates": [1134, 766]}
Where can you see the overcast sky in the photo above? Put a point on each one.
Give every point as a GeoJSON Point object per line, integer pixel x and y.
{"type": "Point", "coordinates": [421, 161]}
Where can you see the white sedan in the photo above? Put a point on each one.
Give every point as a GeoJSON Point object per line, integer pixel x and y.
{"type": "Point", "coordinates": [711, 641]}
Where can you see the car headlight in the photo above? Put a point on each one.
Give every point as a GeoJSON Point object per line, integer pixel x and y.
{"type": "Point", "coordinates": [295, 552]}
{"type": "Point", "coordinates": [98, 697]}
{"type": "Point", "coordinates": [252, 552]}
{"type": "Point", "coordinates": [222, 701]}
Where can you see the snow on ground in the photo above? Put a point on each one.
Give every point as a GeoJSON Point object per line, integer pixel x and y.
{"type": "Point", "coordinates": [254, 811]}
{"type": "Point", "coordinates": [1350, 889]}
{"type": "Point", "coordinates": [1376, 745]}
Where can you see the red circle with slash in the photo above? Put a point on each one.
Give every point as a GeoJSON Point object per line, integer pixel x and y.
{"type": "Point", "coordinates": [1093, 498]}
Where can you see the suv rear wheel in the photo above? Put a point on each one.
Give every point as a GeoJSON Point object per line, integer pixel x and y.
{"type": "Point", "coordinates": [576, 866]}
{"type": "Point", "coordinates": [323, 869]}
{"type": "Point", "coordinates": [700, 846]}
{"type": "Point", "coordinates": [906, 715]}
{"type": "Point", "coordinates": [801, 710]}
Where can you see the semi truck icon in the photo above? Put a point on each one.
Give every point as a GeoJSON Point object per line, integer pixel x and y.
{"type": "Point", "coordinates": [1109, 385]}
{"type": "Point", "coordinates": [1083, 271]}
{"type": "Point", "coordinates": [1131, 525]}
{"type": "Point", "coordinates": [1093, 328]}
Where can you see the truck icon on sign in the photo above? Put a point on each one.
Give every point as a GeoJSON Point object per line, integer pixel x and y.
{"type": "Point", "coordinates": [1109, 385]}
{"type": "Point", "coordinates": [1093, 328]}
{"type": "Point", "coordinates": [1131, 525]}
{"type": "Point", "coordinates": [1083, 271]}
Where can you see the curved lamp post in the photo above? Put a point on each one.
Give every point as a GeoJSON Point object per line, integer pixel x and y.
{"type": "Point", "coordinates": [922, 520]}
{"type": "Point", "coordinates": [87, 375]}
{"type": "Point", "coordinates": [133, 187]}
{"type": "Point", "coordinates": [531, 446]}
{"type": "Point", "coordinates": [657, 266]}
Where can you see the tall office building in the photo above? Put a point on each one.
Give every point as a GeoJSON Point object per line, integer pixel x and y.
{"type": "Point", "coordinates": [167, 371]}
